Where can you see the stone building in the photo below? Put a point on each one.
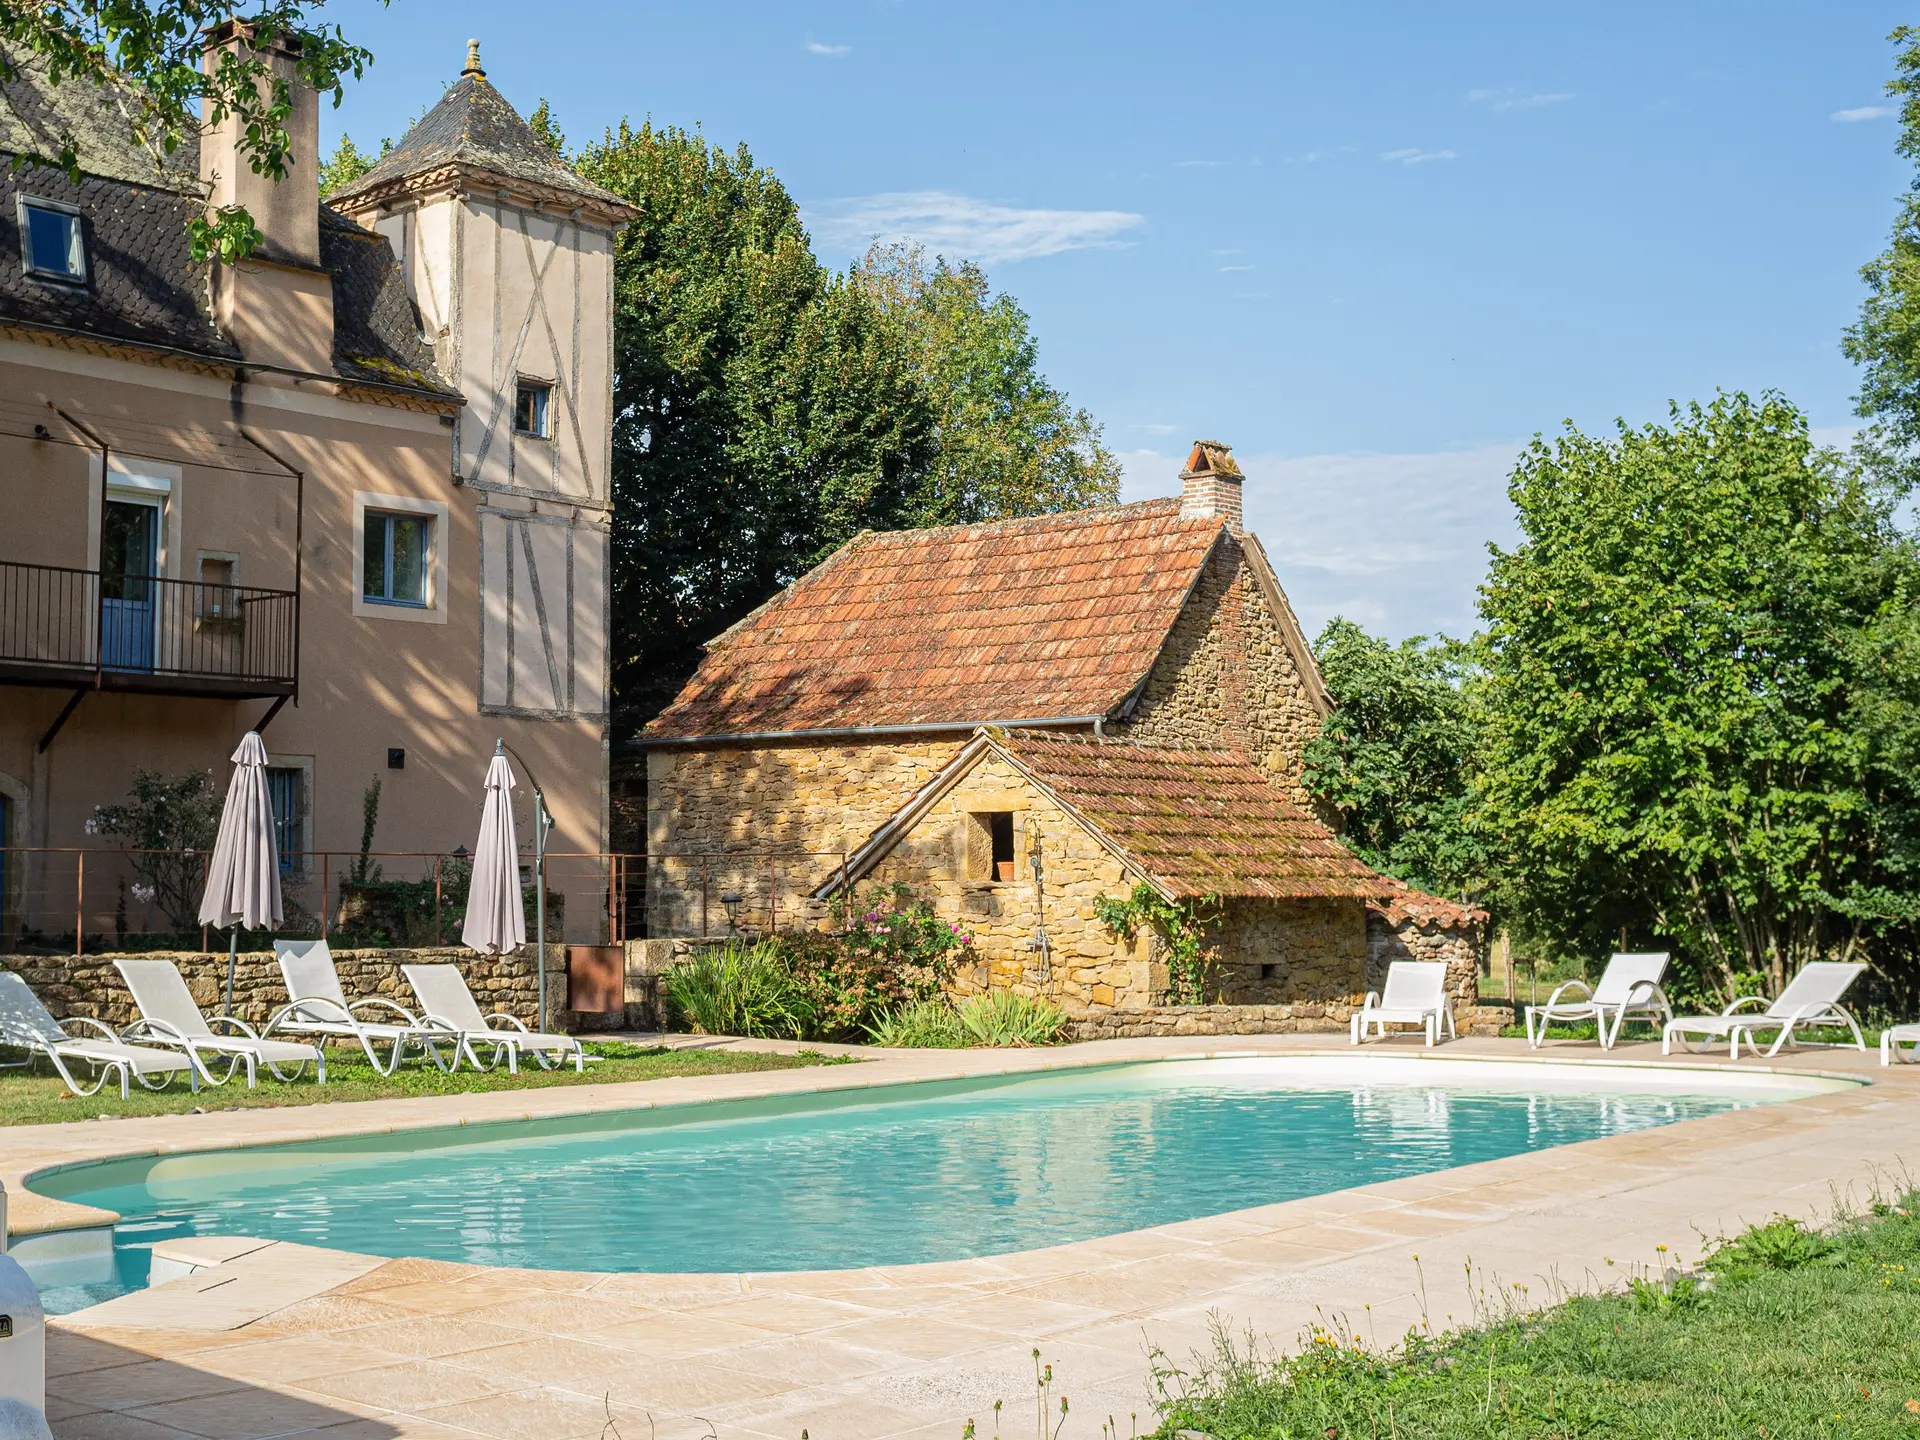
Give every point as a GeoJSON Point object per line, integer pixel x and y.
{"type": "Point", "coordinates": [1124, 690]}
{"type": "Point", "coordinates": [351, 491]}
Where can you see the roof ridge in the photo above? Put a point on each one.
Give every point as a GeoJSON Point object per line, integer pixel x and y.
{"type": "Point", "coordinates": [1085, 515]}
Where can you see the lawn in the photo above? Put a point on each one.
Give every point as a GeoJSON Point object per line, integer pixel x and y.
{"type": "Point", "coordinates": [38, 1097]}
{"type": "Point", "coordinates": [1784, 1333]}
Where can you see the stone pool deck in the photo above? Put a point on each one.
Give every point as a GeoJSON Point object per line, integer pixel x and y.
{"type": "Point", "coordinates": [285, 1340]}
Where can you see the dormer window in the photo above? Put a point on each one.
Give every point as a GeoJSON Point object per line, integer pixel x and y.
{"type": "Point", "coordinates": [530, 407]}
{"type": "Point", "coordinates": [52, 243]}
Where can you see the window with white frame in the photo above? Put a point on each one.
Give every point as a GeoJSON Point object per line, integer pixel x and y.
{"type": "Point", "coordinates": [52, 241]}
{"type": "Point", "coordinates": [396, 558]}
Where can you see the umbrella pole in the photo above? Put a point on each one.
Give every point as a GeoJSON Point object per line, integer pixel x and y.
{"type": "Point", "coordinates": [540, 896]}
{"type": "Point", "coordinates": [233, 945]}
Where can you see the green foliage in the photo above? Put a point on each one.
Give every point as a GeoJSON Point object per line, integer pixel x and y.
{"type": "Point", "coordinates": [149, 54]}
{"type": "Point", "coordinates": [769, 410]}
{"type": "Point", "coordinates": [739, 989]}
{"type": "Point", "coordinates": [1821, 1339]}
{"type": "Point", "coordinates": [998, 1019]}
{"type": "Point", "coordinates": [1886, 338]}
{"type": "Point", "coordinates": [347, 164]}
{"type": "Point", "coordinates": [1182, 925]}
{"type": "Point", "coordinates": [168, 824]}
{"type": "Point", "coordinates": [1396, 758]}
{"type": "Point", "coordinates": [364, 869]}
{"type": "Point", "coordinates": [542, 123]}
{"type": "Point", "coordinates": [1698, 690]}
{"type": "Point", "coordinates": [1005, 441]}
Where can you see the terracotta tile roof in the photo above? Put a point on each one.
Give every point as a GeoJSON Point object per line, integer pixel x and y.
{"type": "Point", "coordinates": [1407, 903]}
{"type": "Point", "coordinates": [1200, 822]}
{"type": "Point", "coordinates": [1053, 616]}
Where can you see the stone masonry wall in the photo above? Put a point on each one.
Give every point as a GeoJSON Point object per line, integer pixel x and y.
{"type": "Point", "coordinates": [1462, 947]}
{"type": "Point", "coordinates": [1226, 676]}
{"type": "Point", "coordinates": [89, 985]}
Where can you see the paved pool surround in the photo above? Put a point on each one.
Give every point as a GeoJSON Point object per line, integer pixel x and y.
{"type": "Point", "coordinates": [283, 1339]}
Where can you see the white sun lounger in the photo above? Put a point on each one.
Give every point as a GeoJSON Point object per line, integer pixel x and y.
{"type": "Point", "coordinates": [1811, 999]}
{"type": "Point", "coordinates": [169, 1018]}
{"type": "Point", "coordinates": [1629, 989]}
{"type": "Point", "coordinates": [1893, 1037]}
{"type": "Point", "coordinates": [319, 1009]}
{"type": "Point", "coordinates": [1416, 994]}
{"type": "Point", "coordinates": [28, 1025]}
{"type": "Point", "coordinates": [446, 1002]}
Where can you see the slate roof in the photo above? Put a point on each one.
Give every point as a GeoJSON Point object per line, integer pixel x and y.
{"type": "Point", "coordinates": [473, 125]}
{"type": "Point", "coordinates": [143, 287]}
{"type": "Point", "coordinates": [1199, 821]}
{"type": "Point", "coordinates": [1022, 620]}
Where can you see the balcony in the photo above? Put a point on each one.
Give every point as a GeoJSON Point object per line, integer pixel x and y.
{"type": "Point", "coordinates": [78, 629]}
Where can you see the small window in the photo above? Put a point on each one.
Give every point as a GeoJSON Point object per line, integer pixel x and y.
{"type": "Point", "coordinates": [990, 845]}
{"type": "Point", "coordinates": [287, 792]}
{"type": "Point", "coordinates": [217, 596]}
{"type": "Point", "coordinates": [396, 557]}
{"type": "Point", "coordinates": [530, 407]}
{"type": "Point", "coordinates": [51, 241]}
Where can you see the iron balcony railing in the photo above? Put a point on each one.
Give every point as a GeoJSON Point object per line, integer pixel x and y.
{"type": "Point", "coordinates": [61, 626]}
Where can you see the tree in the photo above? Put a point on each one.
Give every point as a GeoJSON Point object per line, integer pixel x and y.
{"type": "Point", "coordinates": [1886, 338]}
{"type": "Point", "coordinates": [148, 55]}
{"type": "Point", "coordinates": [346, 165]}
{"type": "Point", "coordinates": [542, 123]}
{"type": "Point", "coordinates": [1006, 442]}
{"type": "Point", "coordinates": [1698, 681]}
{"type": "Point", "coordinates": [1397, 755]}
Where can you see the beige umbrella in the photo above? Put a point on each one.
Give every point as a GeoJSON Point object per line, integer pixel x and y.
{"type": "Point", "coordinates": [243, 879]}
{"type": "Point", "coordinates": [496, 921]}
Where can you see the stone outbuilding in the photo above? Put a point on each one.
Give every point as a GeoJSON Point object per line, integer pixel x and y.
{"type": "Point", "coordinates": [1124, 689]}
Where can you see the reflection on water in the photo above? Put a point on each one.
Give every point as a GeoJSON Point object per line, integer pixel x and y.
{"type": "Point", "coordinates": [1027, 1165]}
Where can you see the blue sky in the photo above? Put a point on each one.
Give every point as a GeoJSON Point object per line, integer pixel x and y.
{"type": "Point", "coordinates": [1374, 247]}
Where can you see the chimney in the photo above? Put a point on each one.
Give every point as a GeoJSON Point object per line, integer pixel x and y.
{"type": "Point", "coordinates": [1210, 485]}
{"type": "Point", "coordinates": [278, 303]}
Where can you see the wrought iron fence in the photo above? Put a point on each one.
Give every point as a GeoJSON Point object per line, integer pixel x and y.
{"type": "Point", "coordinates": [81, 624]}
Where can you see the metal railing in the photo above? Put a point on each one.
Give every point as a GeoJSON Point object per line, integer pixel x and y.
{"type": "Point", "coordinates": [145, 632]}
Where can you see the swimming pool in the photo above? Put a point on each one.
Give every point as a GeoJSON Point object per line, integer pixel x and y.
{"type": "Point", "coordinates": [885, 1175]}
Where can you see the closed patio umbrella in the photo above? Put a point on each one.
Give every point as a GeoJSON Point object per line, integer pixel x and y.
{"type": "Point", "coordinates": [243, 880]}
{"type": "Point", "coordinates": [496, 921]}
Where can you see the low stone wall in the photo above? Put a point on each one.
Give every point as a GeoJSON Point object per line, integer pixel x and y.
{"type": "Point", "coordinates": [1330, 1019]}
{"type": "Point", "coordinates": [89, 985]}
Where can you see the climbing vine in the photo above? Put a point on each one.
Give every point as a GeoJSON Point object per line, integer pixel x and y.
{"type": "Point", "coordinates": [1183, 924]}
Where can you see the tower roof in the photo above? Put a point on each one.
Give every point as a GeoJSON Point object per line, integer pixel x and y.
{"type": "Point", "coordinates": [474, 129]}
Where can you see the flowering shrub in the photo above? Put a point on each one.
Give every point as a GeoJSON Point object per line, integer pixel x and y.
{"type": "Point", "coordinates": [166, 823]}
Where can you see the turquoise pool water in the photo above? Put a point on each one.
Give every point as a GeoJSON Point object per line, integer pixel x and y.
{"type": "Point", "coordinates": [879, 1177]}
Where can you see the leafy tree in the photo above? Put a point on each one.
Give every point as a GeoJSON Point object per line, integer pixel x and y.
{"type": "Point", "coordinates": [347, 164]}
{"type": "Point", "coordinates": [1886, 338]}
{"type": "Point", "coordinates": [148, 54]}
{"type": "Point", "coordinates": [1006, 442]}
{"type": "Point", "coordinates": [542, 123]}
{"type": "Point", "coordinates": [169, 824]}
{"type": "Point", "coordinates": [1396, 757]}
{"type": "Point", "coordinates": [1700, 683]}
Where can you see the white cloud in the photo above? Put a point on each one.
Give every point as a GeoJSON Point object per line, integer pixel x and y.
{"type": "Point", "coordinates": [1230, 269]}
{"type": "Point", "coordinates": [1198, 164]}
{"type": "Point", "coordinates": [1413, 155]}
{"type": "Point", "coordinates": [1865, 112]}
{"type": "Point", "coordinates": [964, 227]}
{"type": "Point", "coordinates": [815, 47]}
{"type": "Point", "coordinates": [1236, 250]}
{"type": "Point", "coordinates": [1513, 100]}
{"type": "Point", "coordinates": [1394, 542]}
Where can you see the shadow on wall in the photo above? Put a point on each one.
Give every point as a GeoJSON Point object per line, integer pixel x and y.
{"type": "Point", "coordinates": [96, 1388]}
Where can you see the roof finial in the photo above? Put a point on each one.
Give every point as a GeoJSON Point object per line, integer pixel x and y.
{"type": "Point", "coordinates": [473, 61]}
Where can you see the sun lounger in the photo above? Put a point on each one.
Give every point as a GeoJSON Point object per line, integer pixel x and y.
{"type": "Point", "coordinates": [319, 1010]}
{"type": "Point", "coordinates": [446, 1002]}
{"type": "Point", "coordinates": [1629, 989]}
{"type": "Point", "coordinates": [1811, 1000]}
{"type": "Point", "coordinates": [28, 1025]}
{"type": "Point", "coordinates": [1416, 994]}
{"type": "Point", "coordinates": [169, 1018]}
{"type": "Point", "coordinates": [1893, 1037]}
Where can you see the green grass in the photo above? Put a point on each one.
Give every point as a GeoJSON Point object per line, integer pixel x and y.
{"type": "Point", "coordinates": [1784, 1333]}
{"type": "Point", "coordinates": [39, 1097]}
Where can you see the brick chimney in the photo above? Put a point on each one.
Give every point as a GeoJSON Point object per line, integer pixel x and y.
{"type": "Point", "coordinates": [1210, 485]}
{"type": "Point", "coordinates": [277, 304]}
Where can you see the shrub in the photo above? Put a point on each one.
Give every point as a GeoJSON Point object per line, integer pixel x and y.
{"type": "Point", "coordinates": [996, 1020]}
{"type": "Point", "coordinates": [929, 1025]}
{"type": "Point", "coordinates": [169, 823]}
{"type": "Point", "coordinates": [889, 952]}
{"type": "Point", "coordinates": [740, 989]}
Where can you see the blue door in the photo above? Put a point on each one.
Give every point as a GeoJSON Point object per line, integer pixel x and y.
{"type": "Point", "coordinates": [130, 556]}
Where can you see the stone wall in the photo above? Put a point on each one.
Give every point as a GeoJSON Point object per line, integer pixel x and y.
{"type": "Point", "coordinates": [1330, 1020]}
{"type": "Point", "coordinates": [89, 985]}
{"type": "Point", "coordinates": [1462, 946]}
{"type": "Point", "coordinates": [1226, 676]}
